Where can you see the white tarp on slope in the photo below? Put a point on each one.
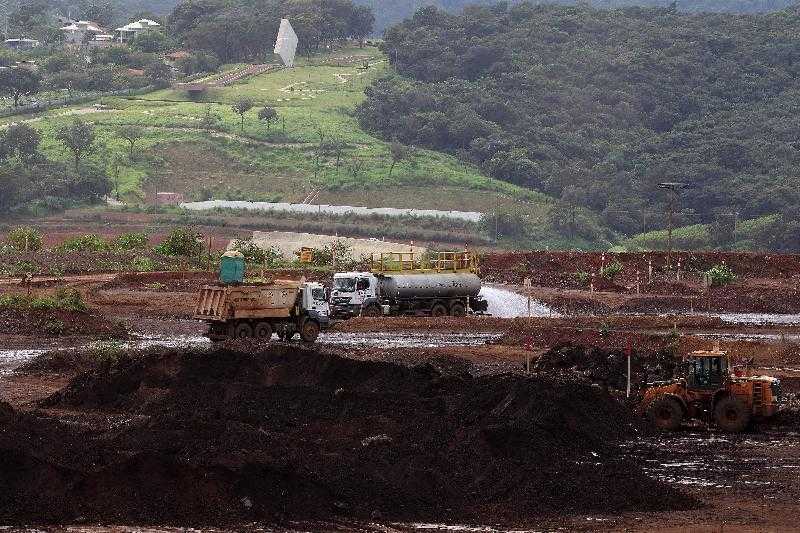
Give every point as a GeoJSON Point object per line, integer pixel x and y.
{"type": "Point", "coordinates": [286, 44]}
{"type": "Point", "coordinates": [472, 216]}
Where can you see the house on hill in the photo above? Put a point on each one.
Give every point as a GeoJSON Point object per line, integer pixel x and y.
{"type": "Point", "coordinates": [21, 44]}
{"type": "Point", "coordinates": [83, 31]}
{"type": "Point", "coordinates": [128, 32]}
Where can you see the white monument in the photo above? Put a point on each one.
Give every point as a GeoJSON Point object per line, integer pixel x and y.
{"type": "Point", "coordinates": [286, 45]}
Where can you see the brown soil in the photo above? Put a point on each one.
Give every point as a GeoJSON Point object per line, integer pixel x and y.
{"type": "Point", "coordinates": [55, 323]}
{"type": "Point", "coordinates": [289, 433]}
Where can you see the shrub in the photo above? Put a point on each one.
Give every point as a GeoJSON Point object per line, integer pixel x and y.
{"type": "Point", "coordinates": [63, 299]}
{"type": "Point", "coordinates": [720, 275]}
{"type": "Point", "coordinates": [611, 270]}
{"type": "Point", "coordinates": [181, 242]}
{"type": "Point", "coordinates": [131, 241]}
{"type": "Point", "coordinates": [340, 250]}
{"type": "Point", "coordinates": [25, 239]}
{"type": "Point", "coordinates": [582, 276]}
{"type": "Point", "coordinates": [143, 264]}
{"type": "Point", "coordinates": [271, 257]}
{"type": "Point", "coordinates": [84, 243]}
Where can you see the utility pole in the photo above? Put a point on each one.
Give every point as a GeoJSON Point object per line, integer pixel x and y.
{"type": "Point", "coordinates": [4, 11]}
{"type": "Point", "coordinates": [672, 188]}
{"type": "Point", "coordinates": [497, 218]}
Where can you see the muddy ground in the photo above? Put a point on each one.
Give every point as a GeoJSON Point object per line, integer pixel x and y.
{"type": "Point", "coordinates": [460, 377]}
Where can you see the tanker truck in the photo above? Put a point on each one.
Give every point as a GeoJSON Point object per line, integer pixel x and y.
{"type": "Point", "coordinates": [400, 284]}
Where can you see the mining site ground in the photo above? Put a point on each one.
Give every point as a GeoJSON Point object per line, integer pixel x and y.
{"type": "Point", "coordinates": [132, 418]}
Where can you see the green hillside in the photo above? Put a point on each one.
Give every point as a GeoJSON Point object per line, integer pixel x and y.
{"type": "Point", "coordinates": [598, 107]}
{"type": "Point", "coordinates": [284, 161]}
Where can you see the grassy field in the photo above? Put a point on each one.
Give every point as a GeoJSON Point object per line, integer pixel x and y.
{"type": "Point", "coordinates": [315, 101]}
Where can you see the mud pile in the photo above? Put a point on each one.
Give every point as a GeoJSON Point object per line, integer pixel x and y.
{"type": "Point", "coordinates": [609, 366]}
{"type": "Point", "coordinates": [57, 322]}
{"type": "Point", "coordinates": [225, 437]}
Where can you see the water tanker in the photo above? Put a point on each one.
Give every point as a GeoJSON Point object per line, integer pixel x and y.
{"type": "Point", "coordinates": [400, 286]}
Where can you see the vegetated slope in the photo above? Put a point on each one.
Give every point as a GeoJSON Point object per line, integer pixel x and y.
{"type": "Point", "coordinates": [316, 145]}
{"type": "Point", "coordinates": [389, 12]}
{"type": "Point", "coordinates": [228, 436]}
{"type": "Point", "coordinates": [597, 107]}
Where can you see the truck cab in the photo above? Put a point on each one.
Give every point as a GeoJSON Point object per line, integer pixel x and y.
{"type": "Point", "coordinates": [314, 300]}
{"type": "Point", "coordinates": [352, 291]}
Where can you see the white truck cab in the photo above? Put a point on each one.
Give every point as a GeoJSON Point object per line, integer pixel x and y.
{"type": "Point", "coordinates": [314, 299]}
{"type": "Point", "coordinates": [352, 291]}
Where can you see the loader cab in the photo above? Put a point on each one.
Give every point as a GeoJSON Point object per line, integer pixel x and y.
{"type": "Point", "coordinates": [707, 370]}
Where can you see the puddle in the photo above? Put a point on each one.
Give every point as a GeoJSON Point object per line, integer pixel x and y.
{"type": "Point", "coordinates": [11, 359]}
{"type": "Point", "coordinates": [712, 461]}
{"type": "Point", "coordinates": [408, 340]}
{"type": "Point", "coordinates": [756, 319]}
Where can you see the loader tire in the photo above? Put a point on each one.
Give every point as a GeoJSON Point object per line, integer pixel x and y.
{"type": "Point", "coordinates": [263, 331]}
{"type": "Point", "coordinates": [243, 331]}
{"type": "Point", "coordinates": [731, 414]}
{"type": "Point", "coordinates": [665, 413]}
{"type": "Point", "coordinates": [309, 330]}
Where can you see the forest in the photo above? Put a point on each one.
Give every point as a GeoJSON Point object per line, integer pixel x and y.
{"type": "Point", "coordinates": [389, 12]}
{"type": "Point", "coordinates": [598, 107]}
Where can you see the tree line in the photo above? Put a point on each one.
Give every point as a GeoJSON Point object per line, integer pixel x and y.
{"type": "Point", "coordinates": [29, 180]}
{"type": "Point", "coordinates": [246, 30]}
{"type": "Point", "coordinates": [597, 107]}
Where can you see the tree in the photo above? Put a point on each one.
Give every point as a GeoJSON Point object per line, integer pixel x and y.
{"type": "Point", "coordinates": [268, 115]}
{"type": "Point", "coordinates": [78, 137]}
{"type": "Point", "coordinates": [210, 120]}
{"type": "Point", "coordinates": [101, 12]}
{"type": "Point", "coordinates": [242, 106]}
{"type": "Point", "coordinates": [151, 42]}
{"type": "Point", "coordinates": [22, 140]}
{"type": "Point", "coordinates": [131, 134]}
{"type": "Point", "coordinates": [158, 73]}
{"type": "Point", "coordinates": [398, 152]}
{"type": "Point", "coordinates": [19, 81]}
{"type": "Point", "coordinates": [362, 22]}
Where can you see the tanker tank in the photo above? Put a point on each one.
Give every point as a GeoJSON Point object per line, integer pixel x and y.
{"type": "Point", "coordinates": [433, 285]}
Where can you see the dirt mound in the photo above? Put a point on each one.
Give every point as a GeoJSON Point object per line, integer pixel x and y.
{"type": "Point", "coordinates": [291, 433]}
{"type": "Point", "coordinates": [58, 322]}
{"type": "Point", "coordinates": [609, 366]}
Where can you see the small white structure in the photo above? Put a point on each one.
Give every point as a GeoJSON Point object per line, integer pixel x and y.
{"type": "Point", "coordinates": [21, 44]}
{"type": "Point", "coordinates": [81, 31]}
{"type": "Point", "coordinates": [286, 44]}
{"type": "Point", "coordinates": [128, 32]}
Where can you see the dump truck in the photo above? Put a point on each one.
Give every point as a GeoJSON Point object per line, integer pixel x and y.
{"type": "Point", "coordinates": [400, 283]}
{"type": "Point", "coordinates": [238, 310]}
{"type": "Point", "coordinates": [712, 391]}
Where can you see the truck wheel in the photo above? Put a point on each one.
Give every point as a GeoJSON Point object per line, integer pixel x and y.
{"type": "Point", "coordinates": [458, 309]}
{"type": "Point", "coordinates": [309, 330]}
{"type": "Point", "coordinates": [731, 414]}
{"type": "Point", "coordinates": [243, 331]}
{"type": "Point", "coordinates": [665, 413]}
{"type": "Point", "coordinates": [372, 310]}
{"type": "Point", "coordinates": [263, 331]}
{"type": "Point", "coordinates": [438, 310]}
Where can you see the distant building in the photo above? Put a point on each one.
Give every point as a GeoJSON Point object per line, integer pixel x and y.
{"type": "Point", "coordinates": [174, 57]}
{"type": "Point", "coordinates": [82, 31]}
{"type": "Point", "coordinates": [168, 198]}
{"type": "Point", "coordinates": [21, 44]}
{"type": "Point", "coordinates": [128, 32]}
